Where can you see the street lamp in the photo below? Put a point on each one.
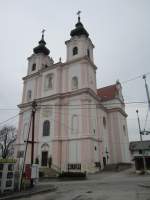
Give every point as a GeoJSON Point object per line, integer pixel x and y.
{"type": "Point", "coordinates": [140, 132]}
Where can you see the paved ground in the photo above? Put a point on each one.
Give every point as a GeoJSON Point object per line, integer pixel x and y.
{"type": "Point", "coordinates": [105, 186]}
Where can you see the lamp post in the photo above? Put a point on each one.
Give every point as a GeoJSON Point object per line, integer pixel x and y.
{"type": "Point", "coordinates": [140, 132]}
{"type": "Point", "coordinates": [34, 105]}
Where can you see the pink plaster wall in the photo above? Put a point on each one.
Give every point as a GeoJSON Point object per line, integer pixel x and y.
{"type": "Point", "coordinates": [56, 153]}
{"type": "Point", "coordinates": [114, 138]}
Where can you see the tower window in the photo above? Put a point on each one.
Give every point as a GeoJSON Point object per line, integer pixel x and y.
{"type": "Point", "coordinates": [33, 67]}
{"type": "Point", "coordinates": [74, 83]}
{"type": "Point", "coordinates": [104, 122]}
{"type": "Point", "coordinates": [124, 130]}
{"type": "Point", "coordinates": [88, 53]}
{"type": "Point", "coordinates": [46, 128]}
{"type": "Point", "coordinates": [75, 51]}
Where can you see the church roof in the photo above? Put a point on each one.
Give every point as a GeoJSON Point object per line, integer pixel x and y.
{"type": "Point", "coordinates": [79, 30]}
{"type": "Point", "coordinates": [41, 48]}
{"type": "Point", "coordinates": [108, 92]}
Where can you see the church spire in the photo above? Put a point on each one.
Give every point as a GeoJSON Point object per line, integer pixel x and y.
{"type": "Point", "coordinates": [41, 48]}
{"type": "Point", "coordinates": [79, 28]}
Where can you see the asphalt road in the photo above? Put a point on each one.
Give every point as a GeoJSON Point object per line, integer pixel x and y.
{"type": "Point", "coordinates": [105, 186]}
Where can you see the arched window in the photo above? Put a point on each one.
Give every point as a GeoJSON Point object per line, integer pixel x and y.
{"type": "Point", "coordinates": [46, 128]}
{"type": "Point", "coordinates": [75, 51]}
{"type": "Point", "coordinates": [29, 95]}
{"type": "Point", "coordinates": [74, 83]}
{"type": "Point", "coordinates": [104, 122]}
{"type": "Point", "coordinates": [75, 124]}
{"type": "Point", "coordinates": [49, 81]}
{"type": "Point", "coordinates": [33, 67]}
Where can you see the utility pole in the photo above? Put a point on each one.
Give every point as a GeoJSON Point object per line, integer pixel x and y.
{"type": "Point", "coordinates": [147, 91]}
{"type": "Point", "coordinates": [34, 105]}
{"type": "Point", "coordinates": [140, 132]}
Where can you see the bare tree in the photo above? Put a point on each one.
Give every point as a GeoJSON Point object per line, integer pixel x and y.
{"type": "Point", "coordinates": [7, 140]}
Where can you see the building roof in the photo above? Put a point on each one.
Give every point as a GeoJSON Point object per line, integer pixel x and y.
{"type": "Point", "coordinates": [139, 145]}
{"type": "Point", "coordinates": [108, 92]}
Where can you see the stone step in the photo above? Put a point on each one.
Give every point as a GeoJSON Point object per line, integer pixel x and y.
{"type": "Point", "coordinates": [48, 172]}
{"type": "Point", "coordinates": [117, 167]}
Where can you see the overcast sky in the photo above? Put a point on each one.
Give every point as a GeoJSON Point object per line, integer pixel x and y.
{"type": "Point", "coordinates": [119, 29]}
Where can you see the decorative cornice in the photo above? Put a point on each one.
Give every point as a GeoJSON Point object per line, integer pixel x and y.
{"type": "Point", "coordinates": [71, 94]}
{"type": "Point", "coordinates": [76, 138]}
{"type": "Point", "coordinates": [42, 70]}
{"type": "Point", "coordinates": [116, 98]}
{"type": "Point", "coordinates": [62, 96]}
{"type": "Point", "coordinates": [117, 110]}
{"type": "Point", "coordinates": [59, 64]}
{"type": "Point", "coordinates": [85, 58]}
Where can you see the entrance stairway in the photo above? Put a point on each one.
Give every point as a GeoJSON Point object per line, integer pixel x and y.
{"type": "Point", "coordinates": [117, 167]}
{"type": "Point", "coordinates": [46, 172]}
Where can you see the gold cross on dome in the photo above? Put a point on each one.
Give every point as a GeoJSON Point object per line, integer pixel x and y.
{"type": "Point", "coordinates": [43, 31]}
{"type": "Point", "coordinates": [78, 13]}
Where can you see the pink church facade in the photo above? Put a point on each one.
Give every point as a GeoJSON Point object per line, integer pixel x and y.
{"type": "Point", "coordinates": [77, 125]}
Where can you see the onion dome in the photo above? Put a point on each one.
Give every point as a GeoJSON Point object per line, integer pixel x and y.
{"type": "Point", "coordinates": [79, 30]}
{"type": "Point", "coordinates": [41, 48]}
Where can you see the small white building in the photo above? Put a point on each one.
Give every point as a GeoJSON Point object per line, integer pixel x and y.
{"type": "Point", "coordinates": [140, 154]}
{"type": "Point", "coordinates": [76, 124]}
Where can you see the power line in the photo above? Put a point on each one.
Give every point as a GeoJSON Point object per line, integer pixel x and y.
{"type": "Point", "coordinates": [9, 109]}
{"type": "Point", "coordinates": [98, 104]}
{"type": "Point", "coordinates": [79, 106]}
{"type": "Point", "coordinates": [86, 116]}
{"type": "Point", "coordinates": [11, 118]}
{"type": "Point", "coordinates": [74, 107]}
{"type": "Point", "coordinates": [134, 78]}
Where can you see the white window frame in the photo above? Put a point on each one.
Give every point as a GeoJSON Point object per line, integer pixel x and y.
{"type": "Point", "coordinates": [73, 123]}
{"type": "Point", "coordinates": [29, 95]}
{"type": "Point", "coordinates": [75, 83]}
{"type": "Point", "coordinates": [49, 82]}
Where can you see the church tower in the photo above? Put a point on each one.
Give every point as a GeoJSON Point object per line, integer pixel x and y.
{"type": "Point", "coordinates": [79, 56]}
{"type": "Point", "coordinates": [80, 44]}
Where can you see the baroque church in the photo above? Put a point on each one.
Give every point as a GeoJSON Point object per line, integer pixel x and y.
{"type": "Point", "coordinates": [78, 126]}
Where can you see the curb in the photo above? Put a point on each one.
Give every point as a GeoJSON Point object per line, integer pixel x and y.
{"type": "Point", "coordinates": [143, 185]}
{"type": "Point", "coordinates": [28, 193]}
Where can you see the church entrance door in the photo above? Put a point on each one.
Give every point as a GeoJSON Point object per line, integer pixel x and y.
{"type": "Point", "coordinates": [104, 161]}
{"type": "Point", "coordinates": [44, 158]}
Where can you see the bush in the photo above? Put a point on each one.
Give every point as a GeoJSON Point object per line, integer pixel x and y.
{"type": "Point", "coordinates": [36, 161]}
{"type": "Point", "coordinates": [72, 175]}
{"type": "Point", "coordinates": [41, 174]}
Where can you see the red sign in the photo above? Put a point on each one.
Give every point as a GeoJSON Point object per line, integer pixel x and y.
{"type": "Point", "coordinates": [28, 171]}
